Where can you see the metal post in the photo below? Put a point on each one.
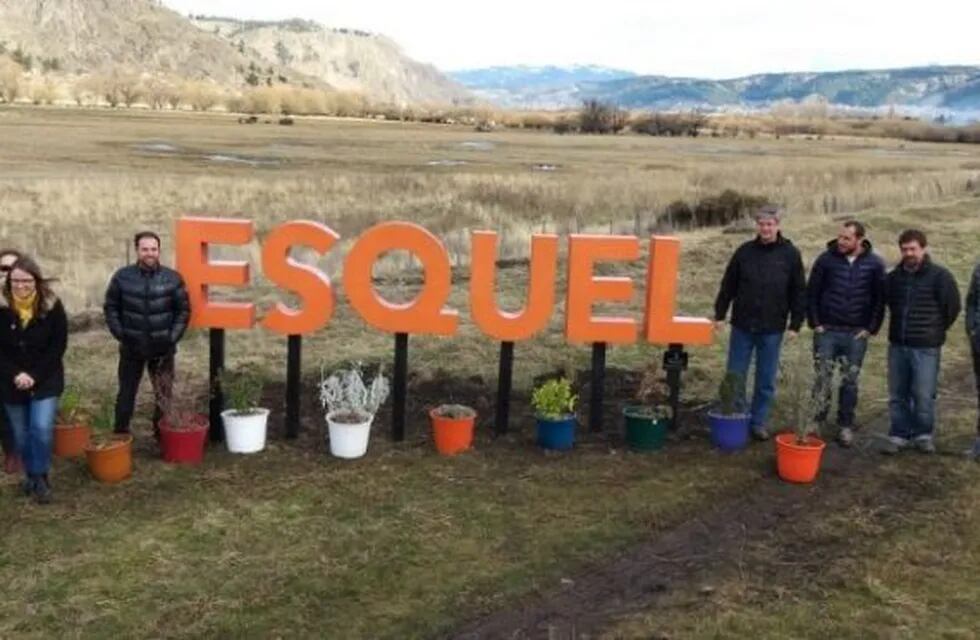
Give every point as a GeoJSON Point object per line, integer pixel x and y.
{"type": "Point", "coordinates": [675, 361]}
{"type": "Point", "coordinates": [399, 391]}
{"type": "Point", "coordinates": [504, 382]}
{"type": "Point", "coordinates": [217, 403]}
{"type": "Point", "coordinates": [598, 385]}
{"type": "Point", "coordinates": [294, 356]}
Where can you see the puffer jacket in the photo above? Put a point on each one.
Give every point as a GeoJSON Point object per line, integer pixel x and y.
{"type": "Point", "coordinates": [847, 295]}
{"type": "Point", "coordinates": [147, 310]}
{"type": "Point", "coordinates": [37, 349]}
{"type": "Point", "coordinates": [765, 284]}
{"type": "Point", "coordinates": [973, 308]}
{"type": "Point", "coordinates": [923, 304]}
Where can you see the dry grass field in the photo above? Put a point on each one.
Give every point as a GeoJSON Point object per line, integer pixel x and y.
{"type": "Point", "coordinates": [292, 543]}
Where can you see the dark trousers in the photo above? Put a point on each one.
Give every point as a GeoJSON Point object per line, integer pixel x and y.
{"type": "Point", "coordinates": [975, 347]}
{"type": "Point", "coordinates": [131, 368]}
{"type": "Point", "coordinates": [6, 435]}
{"type": "Point", "coordinates": [837, 350]}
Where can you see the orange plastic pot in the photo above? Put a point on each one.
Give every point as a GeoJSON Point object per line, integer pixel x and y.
{"type": "Point", "coordinates": [70, 440]}
{"type": "Point", "coordinates": [111, 462]}
{"type": "Point", "coordinates": [797, 462]}
{"type": "Point", "coordinates": [452, 435]}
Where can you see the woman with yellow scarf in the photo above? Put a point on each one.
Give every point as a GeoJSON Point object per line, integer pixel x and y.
{"type": "Point", "coordinates": [33, 339]}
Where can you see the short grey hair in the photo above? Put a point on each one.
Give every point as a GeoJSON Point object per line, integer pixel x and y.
{"type": "Point", "coordinates": [769, 212]}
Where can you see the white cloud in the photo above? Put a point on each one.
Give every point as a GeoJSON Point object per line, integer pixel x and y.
{"type": "Point", "coordinates": [711, 38]}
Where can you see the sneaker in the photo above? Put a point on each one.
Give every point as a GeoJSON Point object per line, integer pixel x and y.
{"type": "Point", "coordinates": [894, 444]}
{"type": "Point", "coordinates": [925, 444]}
{"type": "Point", "coordinates": [759, 432]}
{"type": "Point", "coordinates": [845, 436]}
{"type": "Point", "coordinates": [42, 490]}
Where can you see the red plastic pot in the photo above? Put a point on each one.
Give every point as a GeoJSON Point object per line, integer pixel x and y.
{"type": "Point", "coordinates": [185, 444]}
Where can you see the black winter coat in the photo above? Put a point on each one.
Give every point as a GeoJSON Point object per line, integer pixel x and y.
{"type": "Point", "coordinates": [767, 284]}
{"type": "Point", "coordinates": [923, 304]}
{"type": "Point", "coordinates": [147, 310]}
{"type": "Point", "coordinates": [973, 308]}
{"type": "Point", "coordinates": [846, 295]}
{"type": "Point", "coordinates": [37, 349]}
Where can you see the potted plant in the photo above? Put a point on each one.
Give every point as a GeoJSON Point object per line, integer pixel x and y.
{"type": "Point", "coordinates": [729, 421]}
{"type": "Point", "coordinates": [245, 422]}
{"type": "Point", "coordinates": [554, 409]}
{"type": "Point", "coordinates": [452, 428]}
{"type": "Point", "coordinates": [71, 431]}
{"type": "Point", "coordinates": [109, 455]}
{"type": "Point", "coordinates": [647, 421]}
{"type": "Point", "coordinates": [800, 450]}
{"type": "Point", "coordinates": [350, 406]}
{"type": "Point", "coordinates": [183, 429]}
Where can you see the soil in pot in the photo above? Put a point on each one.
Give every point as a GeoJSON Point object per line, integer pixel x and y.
{"type": "Point", "coordinates": [110, 458]}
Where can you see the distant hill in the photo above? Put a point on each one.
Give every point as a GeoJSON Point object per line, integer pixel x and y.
{"type": "Point", "coordinates": [529, 86]}
{"type": "Point", "coordinates": [142, 36]}
{"type": "Point", "coordinates": [933, 87]}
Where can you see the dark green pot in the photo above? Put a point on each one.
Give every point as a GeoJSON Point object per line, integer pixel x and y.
{"type": "Point", "coordinates": [642, 433]}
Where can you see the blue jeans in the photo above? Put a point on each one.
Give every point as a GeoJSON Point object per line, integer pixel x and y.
{"type": "Point", "coordinates": [913, 375]}
{"type": "Point", "coordinates": [766, 347]}
{"type": "Point", "coordinates": [830, 350]}
{"type": "Point", "coordinates": [32, 427]}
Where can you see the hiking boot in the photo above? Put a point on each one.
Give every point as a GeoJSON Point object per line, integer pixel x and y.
{"type": "Point", "coordinates": [27, 486]}
{"type": "Point", "coordinates": [42, 490]}
{"type": "Point", "coordinates": [925, 444]}
{"type": "Point", "coordinates": [12, 464]}
{"type": "Point", "coordinates": [974, 453]}
{"type": "Point", "coordinates": [894, 444]}
{"type": "Point", "coordinates": [759, 432]}
{"type": "Point", "coordinates": [845, 436]}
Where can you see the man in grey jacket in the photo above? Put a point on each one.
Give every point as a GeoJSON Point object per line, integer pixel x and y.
{"type": "Point", "coordinates": [973, 333]}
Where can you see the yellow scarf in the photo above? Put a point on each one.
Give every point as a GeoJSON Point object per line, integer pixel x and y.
{"type": "Point", "coordinates": [25, 308]}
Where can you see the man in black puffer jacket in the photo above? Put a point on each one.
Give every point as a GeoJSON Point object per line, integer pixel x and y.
{"type": "Point", "coordinates": [973, 334]}
{"type": "Point", "coordinates": [147, 311]}
{"type": "Point", "coordinates": [765, 284]}
{"type": "Point", "coordinates": [923, 301]}
{"type": "Point", "coordinates": [845, 307]}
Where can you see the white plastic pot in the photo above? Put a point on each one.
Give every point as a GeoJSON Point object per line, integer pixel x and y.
{"type": "Point", "coordinates": [349, 440]}
{"type": "Point", "coordinates": [245, 433]}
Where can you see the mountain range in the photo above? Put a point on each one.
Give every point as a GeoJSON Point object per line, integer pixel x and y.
{"type": "Point", "coordinates": [938, 88]}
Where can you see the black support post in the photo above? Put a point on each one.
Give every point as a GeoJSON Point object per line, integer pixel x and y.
{"type": "Point", "coordinates": [598, 385]}
{"type": "Point", "coordinates": [294, 361]}
{"type": "Point", "coordinates": [217, 403]}
{"type": "Point", "coordinates": [675, 362]}
{"type": "Point", "coordinates": [504, 382]}
{"type": "Point", "coordinates": [400, 387]}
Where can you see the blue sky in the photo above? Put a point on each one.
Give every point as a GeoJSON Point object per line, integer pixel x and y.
{"type": "Point", "coordinates": [709, 38]}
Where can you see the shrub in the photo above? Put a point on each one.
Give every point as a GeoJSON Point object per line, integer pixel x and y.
{"type": "Point", "coordinates": [554, 399]}
{"type": "Point", "coordinates": [600, 117]}
{"type": "Point", "coordinates": [242, 390]}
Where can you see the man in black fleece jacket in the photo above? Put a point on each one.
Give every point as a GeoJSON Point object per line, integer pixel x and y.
{"type": "Point", "coordinates": [923, 302]}
{"type": "Point", "coordinates": [765, 285]}
{"type": "Point", "coordinates": [973, 334]}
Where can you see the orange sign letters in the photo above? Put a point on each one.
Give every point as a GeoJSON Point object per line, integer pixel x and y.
{"type": "Point", "coordinates": [427, 313]}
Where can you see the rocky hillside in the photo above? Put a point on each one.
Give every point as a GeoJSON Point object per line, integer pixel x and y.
{"type": "Point", "coordinates": [142, 36]}
{"type": "Point", "coordinates": [349, 60]}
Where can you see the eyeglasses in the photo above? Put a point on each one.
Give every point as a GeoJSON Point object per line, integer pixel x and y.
{"type": "Point", "coordinates": [24, 282]}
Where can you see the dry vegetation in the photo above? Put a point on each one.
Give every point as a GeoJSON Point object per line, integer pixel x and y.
{"type": "Point", "coordinates": [288, 543]}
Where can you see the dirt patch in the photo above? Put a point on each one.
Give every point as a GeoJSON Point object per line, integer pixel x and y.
{"type": "Point", "coordinates": [777, 532]}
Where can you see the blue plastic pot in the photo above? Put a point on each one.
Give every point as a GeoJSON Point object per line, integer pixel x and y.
{"type": "Point", "coordinates": [729, 433]}
{"type": "Point", "coordinates": [558, 435]}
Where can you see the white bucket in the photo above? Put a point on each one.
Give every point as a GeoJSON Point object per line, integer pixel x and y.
{"type": "Point", "coordinates": [245, 433]}
{"type": "Point", "coordinates": [349, 440]}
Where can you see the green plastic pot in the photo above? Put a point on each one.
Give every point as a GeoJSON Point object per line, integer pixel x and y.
{"type": "Point", "coordinates": [644, 433]}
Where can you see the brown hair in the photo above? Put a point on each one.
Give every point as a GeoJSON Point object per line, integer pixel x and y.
{"type": "Point", "coordinates": [11, 252]}
{"type": "Point", "coordinates": [142, 235]}
{"type": "Point", "coordinates": [912, 235]}
{"type": "Point", "coordinates": [43, 285]}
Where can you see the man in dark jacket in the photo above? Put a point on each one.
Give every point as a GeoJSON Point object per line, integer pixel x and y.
{"type": "Point", "coordinates": [146, 310]}
{"type": "Point", "coordinates": [845, 307]}
{"type": "Point", "coordinates": [973, 333]}
{"type": "Point", "coordinates": [765, 284]}
{"type": "Point", "coordinates": [923, 301]}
